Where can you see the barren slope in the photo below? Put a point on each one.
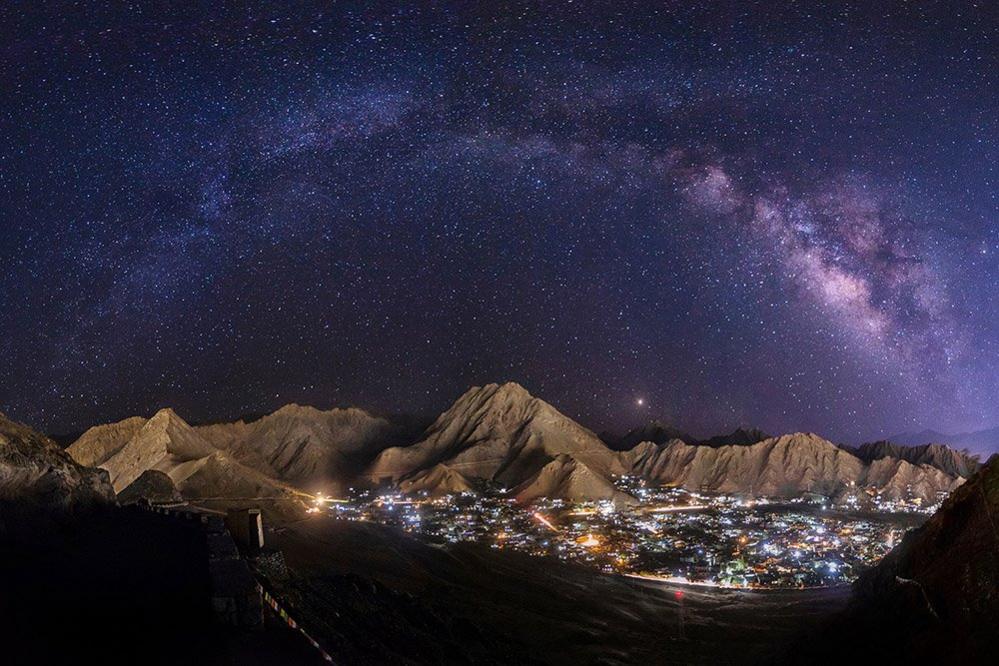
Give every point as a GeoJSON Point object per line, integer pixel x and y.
{"type": "Point", "coordinates": [101, 442]}
{"type": "Point", "coordinates": [944, 458]}
{"type": "Point", "coordinates": [166, 445]}
{"type": "Point", "coordinates": [567, 478]}
{"type": "Point", "coordinates": [305, 446]}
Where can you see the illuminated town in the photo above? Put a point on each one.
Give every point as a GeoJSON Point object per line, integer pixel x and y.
{"type": "Point", "coordinates": [672, 534]}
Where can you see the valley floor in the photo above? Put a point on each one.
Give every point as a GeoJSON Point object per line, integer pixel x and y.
{"type": "Point", "coordinates": [372, 595]}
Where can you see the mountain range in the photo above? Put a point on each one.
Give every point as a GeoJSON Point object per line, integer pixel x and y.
{"type": "Point", "coordinates": [504, 435]}
{"type": "Point", "coordinates": [942, 457]}
{"type": "Point", "coordinates": [940, 575]}
{"type": "Point", "coordinates": [497, 435]}
{"type": "Point", "coordinates": [165, 457]}
{"type": "Point", "coordinates": [982, 443]}
{"type": "Point", "coordinates": [658, 432]}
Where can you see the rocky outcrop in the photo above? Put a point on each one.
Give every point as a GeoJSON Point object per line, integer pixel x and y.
{"type": "Point", "coordinates": [151, 485]}
{"type": "Point", "coordinates": [164, 442]}
{"type": "Point", "coordinates": [101, 442]}
{"type": "Point", "coordinates": [33, 469]}
{"type": "Point", "coordinates": [498, 433]}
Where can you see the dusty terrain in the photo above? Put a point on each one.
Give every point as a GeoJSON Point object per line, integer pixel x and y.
{"type": "Point", "coordinates": [375, 595]}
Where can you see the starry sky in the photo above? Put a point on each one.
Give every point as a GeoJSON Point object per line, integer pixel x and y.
{"type": "Point", "coordinates": [780, 214]}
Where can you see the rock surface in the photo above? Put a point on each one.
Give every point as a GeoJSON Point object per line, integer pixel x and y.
{"type": "Point", "coordinates": [780, 466]}
{"type": "Point", "coordinates": [101, 442]}
{"type": "Point", "coordinates": [898, 479]}
{"type": "Point", "coordinates": [151, 485]}
{"type": "Point", "coordinates": [437, 481]}
{"type": "Point", "coordinates": [34, 469]}
{"type": "Point", "coordinates": [953, 557]}
{"type": "Point", "coordinates": [783, 467]}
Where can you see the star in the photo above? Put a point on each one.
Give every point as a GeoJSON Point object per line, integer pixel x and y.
{"type": "Point", "coordinates": [387, 207]}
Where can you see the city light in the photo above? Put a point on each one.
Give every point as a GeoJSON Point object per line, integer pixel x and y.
{"type": "Point", "coordinates": [672, 535]}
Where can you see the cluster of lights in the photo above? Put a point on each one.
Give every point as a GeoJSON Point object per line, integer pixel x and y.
{"type": "Point", "coordinates": [672, 534]}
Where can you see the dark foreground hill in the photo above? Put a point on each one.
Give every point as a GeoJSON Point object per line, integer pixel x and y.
{"type": "Point", "coordinates": [935, 597]}
{"type": "Point", "coordinates": [373, 595]}
{"type": "Point", "coordinates": [83, 580]}
{"type": "Point", "coordinates": [114, 585]}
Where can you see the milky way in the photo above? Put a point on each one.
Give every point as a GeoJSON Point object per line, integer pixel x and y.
{"type": "Point", "coordinates": [780, 216]}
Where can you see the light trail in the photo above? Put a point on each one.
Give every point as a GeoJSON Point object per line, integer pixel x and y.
{"type": "Point", "coordinates": [675, 580]}
{"type": "Point", "coordinates": [229, 498]}
{"type": "Point", "coordinates": [673, 509]}
{"type": "Point", "coordinates": [544, 521]}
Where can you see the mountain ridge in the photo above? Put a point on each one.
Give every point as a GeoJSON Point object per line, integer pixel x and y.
{"type": "Point", "coordinates": [984, 443]}
{"type": "Point", "coordinates": [131, 452]}
{"type": "Point", "coordinates": [502, 435]}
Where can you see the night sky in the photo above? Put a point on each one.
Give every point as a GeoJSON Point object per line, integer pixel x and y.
{"type": "Point", "coordinates": [765, 213]}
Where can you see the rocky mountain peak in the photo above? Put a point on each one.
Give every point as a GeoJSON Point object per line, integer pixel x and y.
{"type": "Point", "coordinates": [498, 432]}
{"type": "Point", "coordinates": [570, 479]}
